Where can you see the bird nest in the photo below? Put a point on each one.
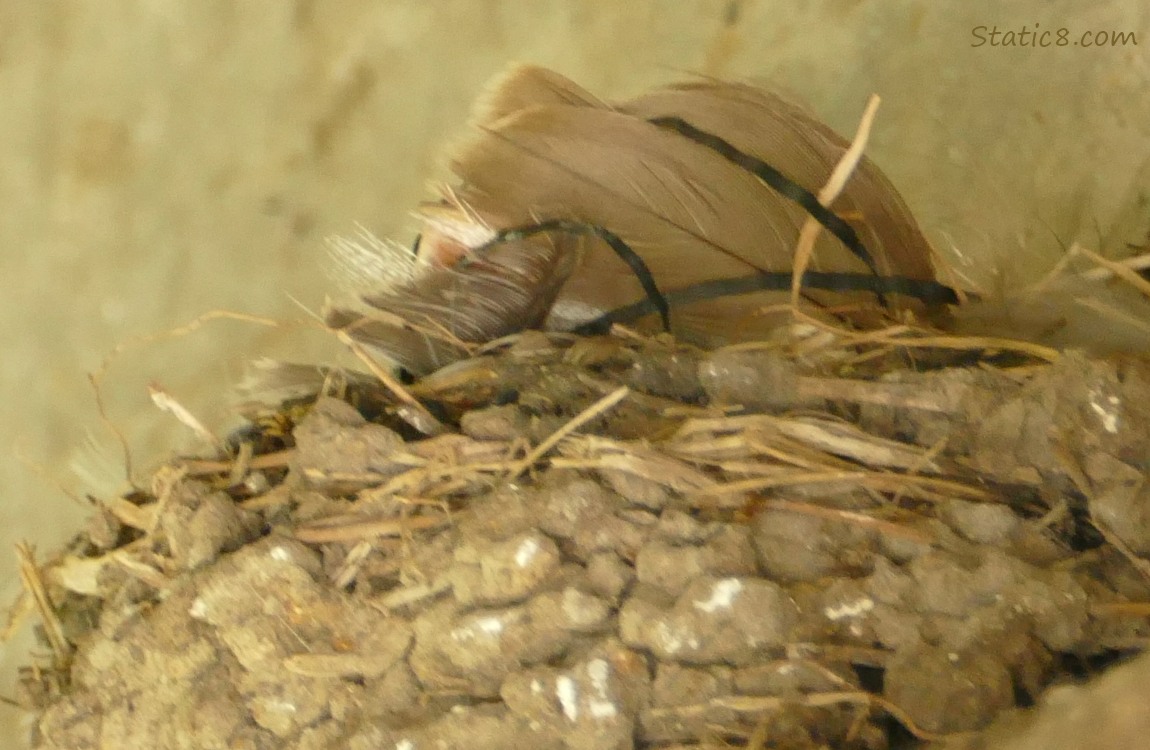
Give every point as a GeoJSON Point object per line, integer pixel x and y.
{"type": "Point", "coordinates": [838, 530]}
{"type": "Point", "coordinates": [618, 542]}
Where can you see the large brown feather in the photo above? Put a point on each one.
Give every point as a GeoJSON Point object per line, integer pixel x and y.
{"type": "Point", "coordinates": [671, 199]}
{"type": "Point", "coordinates": [692, 215]}
{"type": "Point", "coordinates": [524, 86]}
{"type": "Point", "coordinates": [784, 135]}
{"type": "Point", "coordinates": [545, 149]}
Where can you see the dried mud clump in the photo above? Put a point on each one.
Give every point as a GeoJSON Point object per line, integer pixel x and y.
{"type": "Point", "coordinates": [617, 543]}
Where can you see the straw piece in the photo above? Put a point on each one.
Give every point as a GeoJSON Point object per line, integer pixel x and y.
{"type": "Point", "coordinates": [810, 231]}
{"type": "Point", "coordinates": [594, 410]}
{"type": "Point", "coordinates": [410, 410]}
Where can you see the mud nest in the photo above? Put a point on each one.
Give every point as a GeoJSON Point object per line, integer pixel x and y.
{"type": "Point", "coordinates": [618, 542]}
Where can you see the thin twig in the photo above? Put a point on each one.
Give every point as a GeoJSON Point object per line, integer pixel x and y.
{"type": "Point", "coordinates": [168, 403]}
{"type": "Point", "coordinates": [353, 529]}
{"type": "Point", "coordinates": [878, 480]}
{"type": "Point", "coordinates": [411, 411]}
{"type": "Point", "coordinates": [34, 585]}
{"type": "Point", "coordinates": [756, 704]}
{"type": "Point", "coordinates": [198, 467]}
{"type": "Point", "coordinates": [889, 528]}
{"type": "Point", "coordinates": [580, 419]}
{"type": "Point", "coordinates": [1122, 271]}
{"type": "Point", "coordinates": [805, 248]}
{"type": "Point", "coordinates": [96, 378]}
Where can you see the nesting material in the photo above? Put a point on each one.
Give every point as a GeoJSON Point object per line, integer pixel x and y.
{"type": "Point", "coordinates": [802, 559]}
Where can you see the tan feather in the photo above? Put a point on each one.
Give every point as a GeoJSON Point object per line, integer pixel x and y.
{"type": "Point", "coordinates": [667, 197]}
{"type": "Point", "coordinates": [545, 149]}
{"type": "Point", "coordinates": [692, 215]}
{"type": "Point", "coordinates": [524, 86]}
{"type": "Point", "coordinates": [784, 135]}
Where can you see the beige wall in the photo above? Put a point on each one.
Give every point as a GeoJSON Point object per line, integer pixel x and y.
{"type": "Point", "coordinates": [160, 158]}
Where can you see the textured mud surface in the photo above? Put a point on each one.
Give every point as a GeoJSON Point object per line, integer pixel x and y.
{"type": "Point", "coordinates": [744, 548]}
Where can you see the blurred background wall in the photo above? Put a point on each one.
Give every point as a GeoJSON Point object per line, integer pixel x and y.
{"type": "Point", "coordinates": [160, 158]}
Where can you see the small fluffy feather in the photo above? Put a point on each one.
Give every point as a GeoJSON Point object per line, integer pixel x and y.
{"type": "Point", "coordinates": [365, 262]}
{"type": "Point", "coordinates": [432, 319]}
